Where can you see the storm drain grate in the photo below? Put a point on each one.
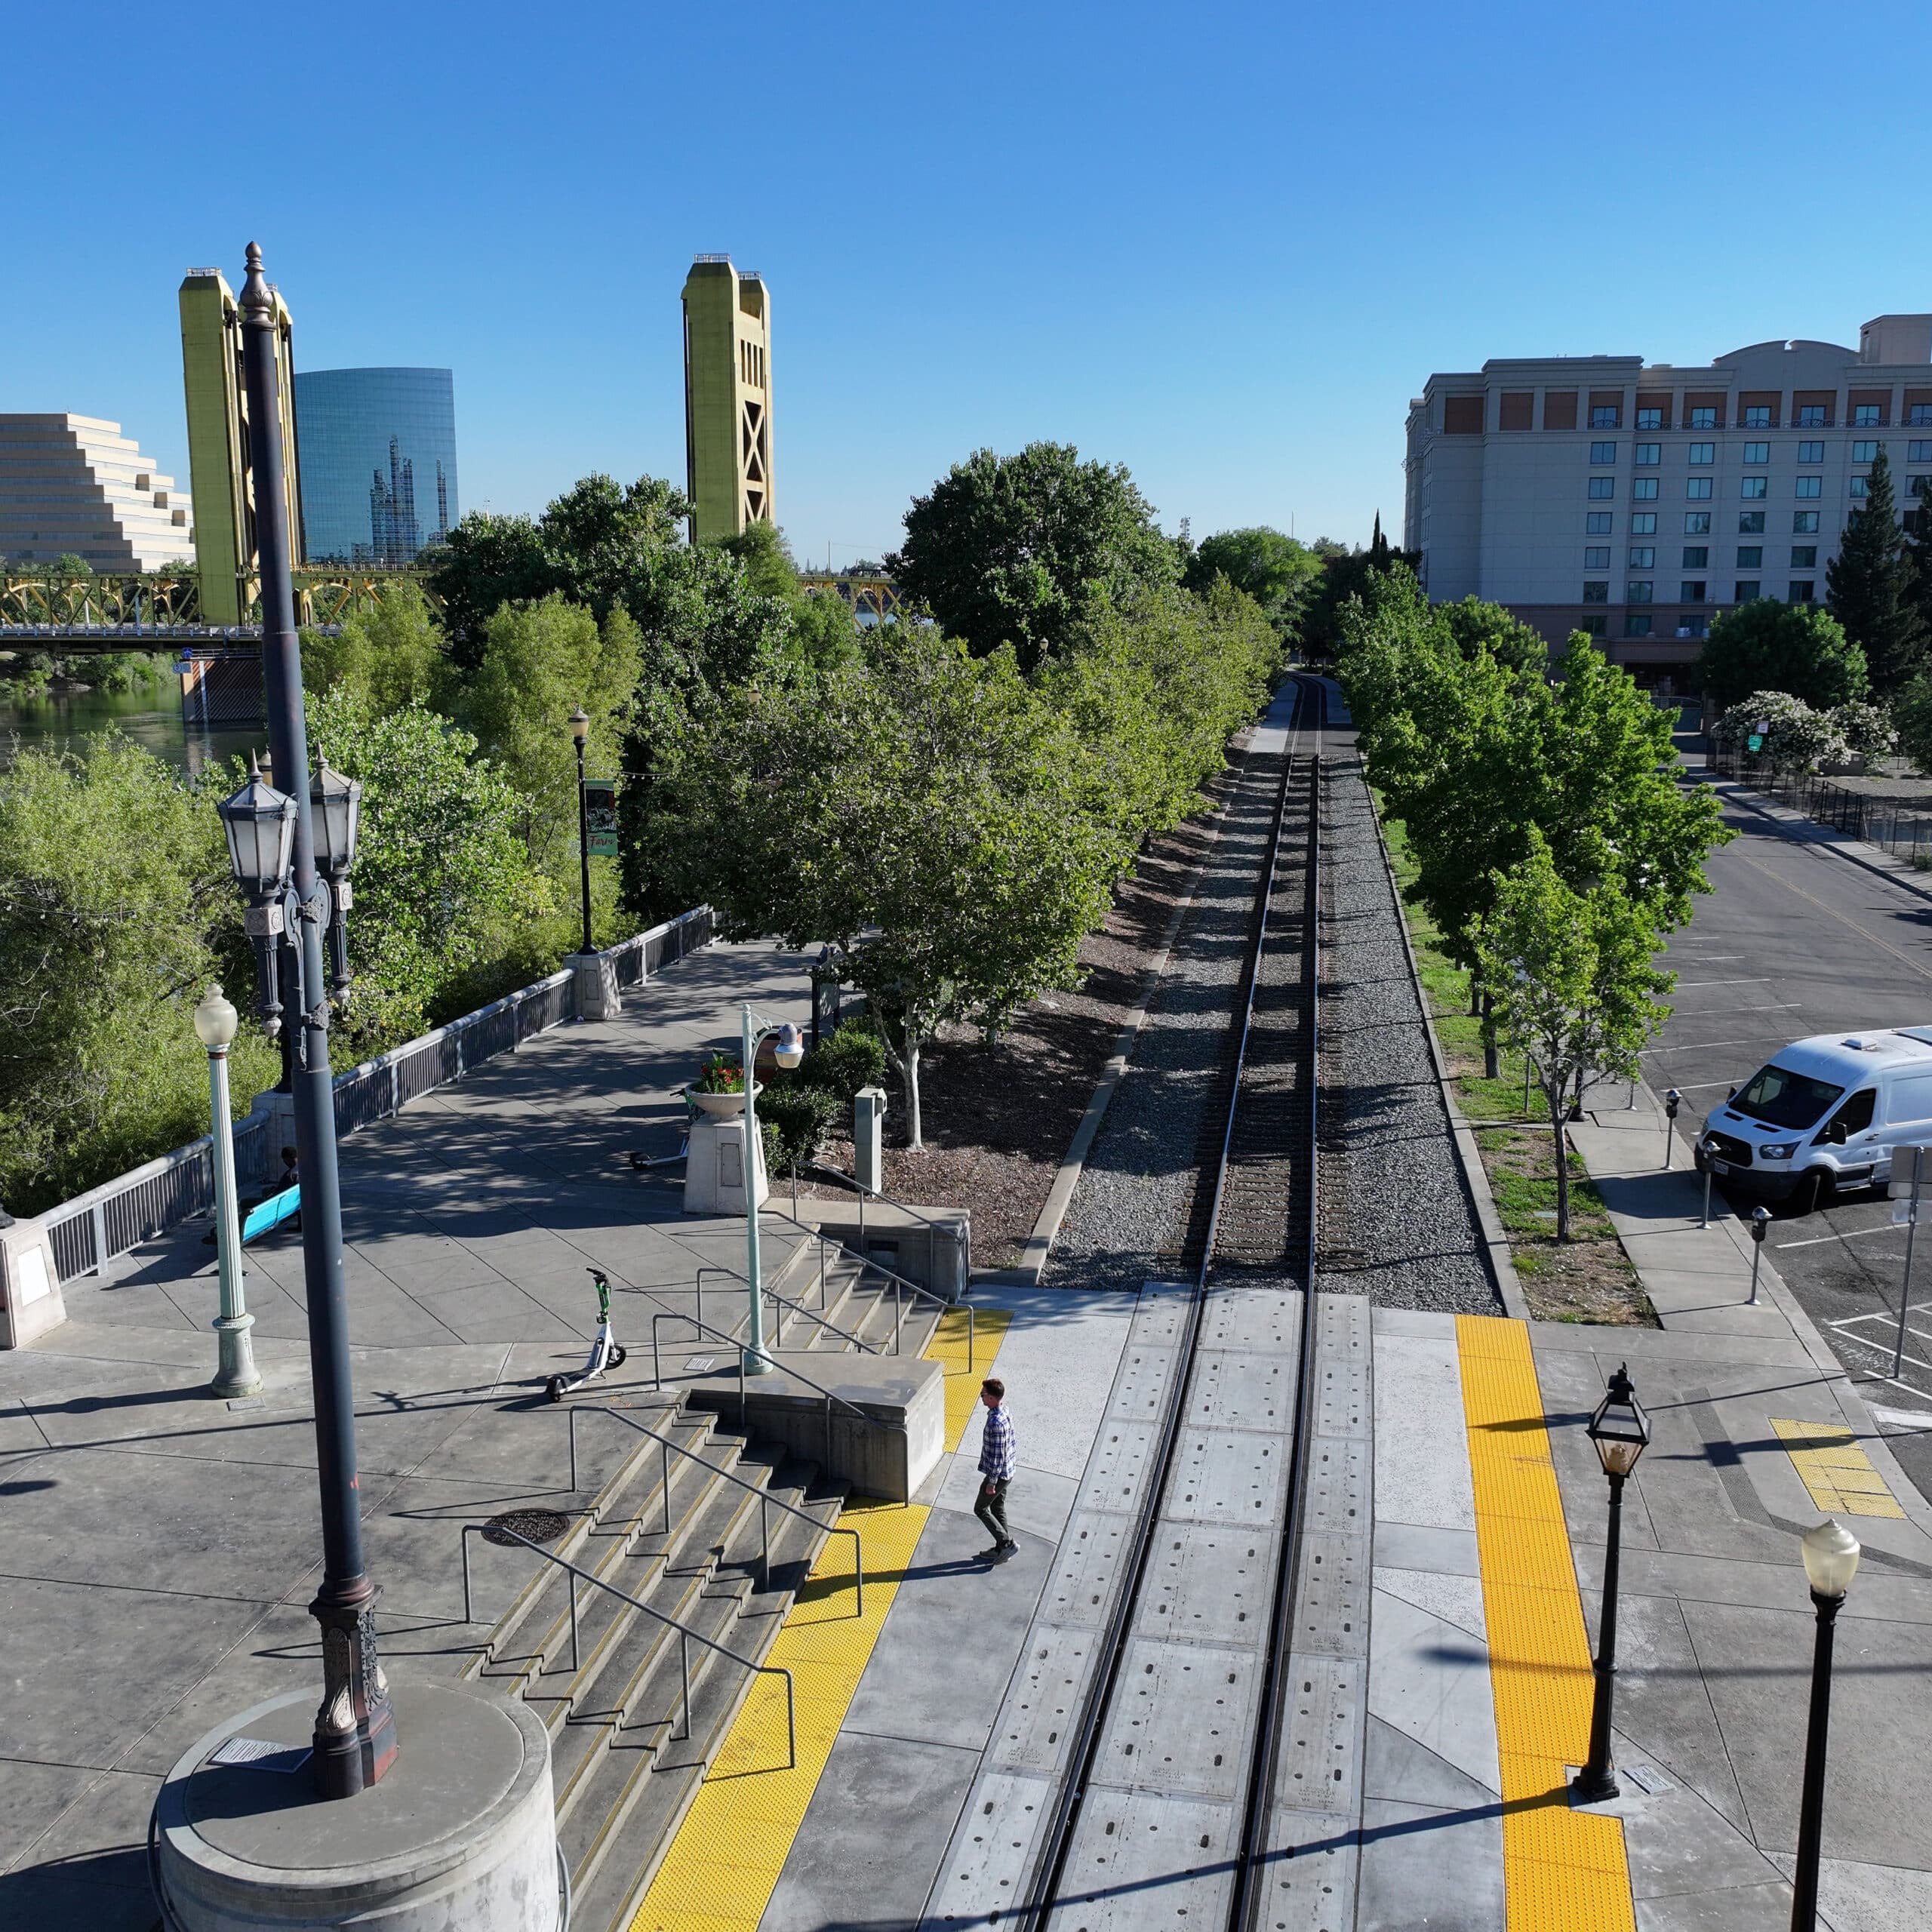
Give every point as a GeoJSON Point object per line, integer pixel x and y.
{"type": "Point", "coordinates": [534, 1525]}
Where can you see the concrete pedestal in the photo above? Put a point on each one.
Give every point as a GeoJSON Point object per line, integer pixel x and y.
{"type": "Point", "coordinates": [459, 1837]}
{"type": "Point", "coordinates": [30, 1299]}
{"type": "Point", "coordinates": [595, 987]}
{"type": "Point", "coordinates": [714, 1167]}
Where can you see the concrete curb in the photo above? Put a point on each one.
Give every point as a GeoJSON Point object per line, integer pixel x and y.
{"type": "Point", "coordinates": [1828, 838]}
{"type": "Point", "coordinates": [1469, 1156]}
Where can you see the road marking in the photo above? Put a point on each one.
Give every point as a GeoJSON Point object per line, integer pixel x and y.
{"type": "Point", "coordinates": [1818, 1241]}
{"type": "Point", "coordinates": [1703, 1046]}
{"type": "Point", "coordinates": [1884, 946]}
{"type": "Point", "coordinates": [1754, 980]}
{"type": "Point", "coordinates": [1903, 1421]}
{"type": "Point", "coordinates": [1835, 1469]}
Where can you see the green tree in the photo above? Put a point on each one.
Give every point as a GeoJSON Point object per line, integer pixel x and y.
{"type": "Point", "coordinates": [1015, 548]}
{"type": "Point", "coordinates": [1870, 588]}
{"type": "Point", "coordinates": [923, 814]}
{"type": "Point", "coordinates": [1273, 569]}
{"type": "Point", "coordinates": [1576, 988]}
{"type": "Point", "coordinates": [1912, 714]}
{"type": "Point", "coordinates": [1476, 626]}
{"type": "Point", "coordinates": [1765, 645]}
{"type": "Point", "coordinates": [116, 911]}
{"type": "Point", "coordinates": [389, 656]}
{"type": "Point", "coordinates": [1346, 574]}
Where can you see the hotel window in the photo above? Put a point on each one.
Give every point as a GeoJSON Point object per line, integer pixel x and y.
{"type": "Point", "coordinates": [1703, 453]}
{"type": "Point", "coordinates": [1747, 590]}
{"type": "Point", "coordinates": [1755, 487]}
{"type": "Point", "coordinates": [1605, 416]}
{"type": "Point", "coordinates": [1751, 523]}
{"type": "Point", "coordinates": [1597, 523]}
{"type": "Point", "coordinates": [1811, 486]}
{"type": "Point", "coordinates": [1702, 418]}
{"type": "Point", "coordinates": [1811, 416]}
{"type": "Point", "coordinates": [1637, 627]}
{"type": "Point", "coordinates": [1693, 627]}
{"type": "Point", "coordinates": [1603, 452]}
{"type": "Point", "coordinates": [1643, 556]}
{"type": "Point", "coordinates": [1867, 416]}
{"type": "Point", "coordinates": [1861, 486]}
{"type": "Point", "coordinates": [1810, 452]}
{"type": "Point", "coordinates": [1644, 523]}
{"type": "Point", "coordinates": [1690, 591]}
{"type": "Point", "coordinates": [1918, 416]}
{"type": "Point", "coordinates": [1601, 486]}
{"type": "Point", "coordinates": [1757, 452]}
{"type": "Point", "coordinates": [1918, 452]}
{"type": "Point", "coordinates": [1698, 489]}
{"type": "Point", "coordinates": [1597, 592]}
{"type": "Point", "coordinates": [1638, 590]}
{"type": "Point", "coordinates": [1696, 523]}
{"type": "Point", "coordinates": [1758, 416]}
{"type": "Point", "coordinates": [1644, 490]}
{"type": "Point", "coordinates": [1804, 556]}
{"type": "Point", "coordinates": [1696, 556]}
{"type": "Point", "coordinates": [1803, 522]}
{"type": "Point", "coordinates": [1596, 557]}
{"type": "Point", "coordinates": [1648, 453]}
{"type": "Point", "coordinates": [1750, 556]}
{"type": "Point", "coordinates": [1801, 590]}
{"type": "Point", "coordinates": [1649, 419]}
{"type": "Point", "coordinates": [1865, 452]}
{"type": "Point", "coordinates": [1593, 626]}
{"type": "Point", "coordinates": [1918, 486]}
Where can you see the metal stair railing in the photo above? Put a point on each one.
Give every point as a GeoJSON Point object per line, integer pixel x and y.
{"type": "Point", "coordinates": [685, 1632]}
{"type": "Point", "coordinates": [899, 1281]}
{"type": "Point", "coordinates": [669, 1447]}
{"type": "Point", "coordinates": [866, 1194]}
{"type": "Point", "coordinates": [785, 1301]}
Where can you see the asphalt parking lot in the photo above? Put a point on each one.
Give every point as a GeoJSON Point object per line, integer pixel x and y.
{"type": "Point", "coordinates": [1794, 939]}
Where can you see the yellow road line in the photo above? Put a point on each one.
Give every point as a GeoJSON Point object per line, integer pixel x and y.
{"type": "Point", "coordinates": [1563, 1871]}
{"type": "Point", "coordinates": [723, 1862]}
{"type": "Point", "coordinates": [1836, 1471]}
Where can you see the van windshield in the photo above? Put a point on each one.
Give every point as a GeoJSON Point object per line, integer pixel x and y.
{"type": "Point", "coordinates": [1781, 1098]}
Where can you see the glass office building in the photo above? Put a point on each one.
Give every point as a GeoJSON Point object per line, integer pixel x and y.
{"type": "Point", "coordinates": [377, 453]}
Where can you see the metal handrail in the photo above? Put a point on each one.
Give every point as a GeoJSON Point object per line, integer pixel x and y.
{"type": "Point", "coordinates": [865, 1193]}
{"type": "Point", "coordinates": [717, 1470]}
{"type": "Point", "coordinates": [685, 1632]}
{"type": "Point", "coordinates": [796, 1307]}
{"type": "Point", "coordinates": [891, 1274]}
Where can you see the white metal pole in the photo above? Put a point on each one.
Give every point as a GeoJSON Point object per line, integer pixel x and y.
{"type": "Point", "coordinates": [756, 1361]}
{"type": "Point", "coordinates": [1905, 1286]}
{"type": "Point", "coordinates": [236, 1374]}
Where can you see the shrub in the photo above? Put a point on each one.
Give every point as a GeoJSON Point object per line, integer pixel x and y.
{"type": "Point", "coordinates": [1866, 728]}
{"type": "Point", "coordinates": [853, 1057]}
{"type": "Point", "coordinates": [1794, 735]}
{"type": "Point", "coordinates": [793, 1118]}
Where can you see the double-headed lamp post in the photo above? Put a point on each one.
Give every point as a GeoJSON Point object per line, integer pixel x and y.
{"type": "Point", "coordinates": [291, 853]}
{"type": "Point", "coordinates": [579, 723]}
{"type": "Point", "coordinates": [236, 1375]}
{"type": "Point", "coordinates": [1830, 1561]}
{"type": "Point", "coordinates": [789, 1051]}
{"type": "Point", "coordinates": [1622, 1432]}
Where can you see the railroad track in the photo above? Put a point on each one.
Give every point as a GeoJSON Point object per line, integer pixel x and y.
{"type": "Point", "coordinates": [1203, 1727]}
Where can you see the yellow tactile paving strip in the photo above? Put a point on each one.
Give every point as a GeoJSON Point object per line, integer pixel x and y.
{"type": "Point", "coordinates": [1835, 1470]}
{"type": "Point", "coordinates": [723, 1862]}
{"type": "Point", "coordinates": [1564, 1870]}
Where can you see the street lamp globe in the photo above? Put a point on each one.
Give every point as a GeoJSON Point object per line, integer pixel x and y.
{"type": "Point", "coordinates": [788, 1047]}
{"type": "Point", "coordinates": [215, 1020]}
{"type": "Point", "coordinates": [580, 721]}
{"type": "Point", "coordinates": [260, 823]}
{"type": "Point", "coordinates": [1620, 1428]}
{"type": "Point", "coordinates": [1831, 1558]}
{"type": "Point", "coordinates": [335, 810]}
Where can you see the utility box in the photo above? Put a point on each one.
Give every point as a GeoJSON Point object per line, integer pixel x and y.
{"type": "Point", "coordinates": [868, 1138]}
{"type": "Point", "coordinates": [714, 1167]}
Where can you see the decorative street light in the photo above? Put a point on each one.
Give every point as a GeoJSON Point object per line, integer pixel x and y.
{"type": "Point", "coordinates": [280, 845]}
{"type": "Point", "coordinates": [1622, 1432]}
{"type": "Point", "coordinates": [1830, 1561]}
{"type": "Point", "coordinates": [215, 1022]}
{"type": "Point", "coordinates": [789, 1051]}
{"type": "Point", "coordinates": [579, 722]}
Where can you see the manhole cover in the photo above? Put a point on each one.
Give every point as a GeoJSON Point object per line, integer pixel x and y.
{"type": "Point", "coordinates": [534, 1525]}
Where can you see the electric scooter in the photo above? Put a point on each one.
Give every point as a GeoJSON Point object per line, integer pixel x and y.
{"type": "Point", "coordinates": [606, 1351]}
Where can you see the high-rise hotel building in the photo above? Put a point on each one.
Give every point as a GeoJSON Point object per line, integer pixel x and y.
{"type": "Point", "coordinates": [1634, 501]}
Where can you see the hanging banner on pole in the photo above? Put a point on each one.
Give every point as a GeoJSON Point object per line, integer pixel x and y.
{"type": "Point", "coordinates": [600, 804]}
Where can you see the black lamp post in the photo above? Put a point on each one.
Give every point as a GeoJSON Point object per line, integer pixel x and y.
{"type": "Point", "coordinates": [581, 730]}
{"type": "Point", "coordinates": [1621, 1432]}
{"type": "Point", "coordinates": [280, 845]}
{"type": "Point", "coordinates": [1830, 1561]}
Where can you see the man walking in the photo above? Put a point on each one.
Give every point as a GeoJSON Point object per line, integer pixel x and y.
{"type": "Point", "coordinates": [995, 1471]}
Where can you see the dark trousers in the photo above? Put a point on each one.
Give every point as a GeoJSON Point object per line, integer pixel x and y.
{"type": "Point", "coordinates": [991, 1509]}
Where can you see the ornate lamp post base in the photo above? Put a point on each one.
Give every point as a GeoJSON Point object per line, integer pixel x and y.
{"type": "Point", "coordinates": [355, 1739]}
{"type": "Point", "coordinates": [235, 1372]}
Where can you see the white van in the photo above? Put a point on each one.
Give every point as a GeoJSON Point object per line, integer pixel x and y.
{"type": "Point", "coordinates": [1823, 1116]}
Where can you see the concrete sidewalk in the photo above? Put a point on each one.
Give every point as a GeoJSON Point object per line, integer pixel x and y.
{"type": "Point", "coordinates": [158, 1547]}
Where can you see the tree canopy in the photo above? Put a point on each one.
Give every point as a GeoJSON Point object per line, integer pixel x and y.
{"type": "Point", "coordinates": [1765, 645]}
{"type": "Point", "coordinates": [1273, 569]}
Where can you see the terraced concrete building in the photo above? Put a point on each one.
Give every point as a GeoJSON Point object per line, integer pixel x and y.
{"type": "Point", "coordinates": [75, 486]}
{"type": "Point", "coordinates": [727, 398]}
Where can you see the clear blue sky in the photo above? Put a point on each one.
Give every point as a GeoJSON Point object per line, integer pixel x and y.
{"type": "Point", "coordinates": [1223, 244]}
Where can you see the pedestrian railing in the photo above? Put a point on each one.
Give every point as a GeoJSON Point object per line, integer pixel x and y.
{"type": "Point", "coordinates": [91, 1229]}
{"type": "Point", "coordinates": [901, 1285]}
{"type": "Point", "coordinates": [1902, 830]}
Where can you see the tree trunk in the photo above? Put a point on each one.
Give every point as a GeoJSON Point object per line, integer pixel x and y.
{"type": "Point", "coordinates": [1554, 1093]}
{"type": "Point", "coordinates": [1577, 1103]}
{"type": "Point", "coordinates": [1475, 994]}
{"type": "Point", "coordinates": [912, 1070]}
{"type": "Point", "coordinates": [1492, 1068]}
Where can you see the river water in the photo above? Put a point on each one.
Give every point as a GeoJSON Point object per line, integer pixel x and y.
{"type": "Point", "coordinates": [150, 715]}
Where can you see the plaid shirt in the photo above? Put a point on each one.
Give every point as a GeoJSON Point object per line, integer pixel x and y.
{"type": "Point", "coordinates": [996, 1446]}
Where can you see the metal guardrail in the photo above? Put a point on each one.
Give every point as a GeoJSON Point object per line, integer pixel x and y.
{"type": "Point", "coordinates": [899, 1281]}
{"type": "Point", "coordinates": [685, 1632]}
{"type": "Point", "coordinates": [1903, 831]}
{"type": "Point", "coordinates": [669, 1448]}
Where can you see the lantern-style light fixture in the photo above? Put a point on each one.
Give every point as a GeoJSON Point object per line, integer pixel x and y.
{"type": "Point", "coordinates": [260, 823]}
{"type": "Point", "coordinates": [335, 808]}
{"type": "Point", "coordinates": [215, 1021]}
{"type": "Point", "coordinates": [1620, 1428]}
{"type": "Point", "coordinates": [788, 1047]}
{"type": "Point", "coordinates": [579, 723]}
{"type": "Point", "coordinates": [1831, 1558]}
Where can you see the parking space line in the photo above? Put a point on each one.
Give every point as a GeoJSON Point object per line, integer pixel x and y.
{"type": "Point", "coordinates": [1818, 1241]}
{"type": "Point", "coordinates": [1704, 1046]}
{"type": "Point", "coordinates": [1753, 979]}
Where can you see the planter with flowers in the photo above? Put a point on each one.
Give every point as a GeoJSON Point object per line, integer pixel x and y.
{"type": "Point", "coordinates": [719, 1089]}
